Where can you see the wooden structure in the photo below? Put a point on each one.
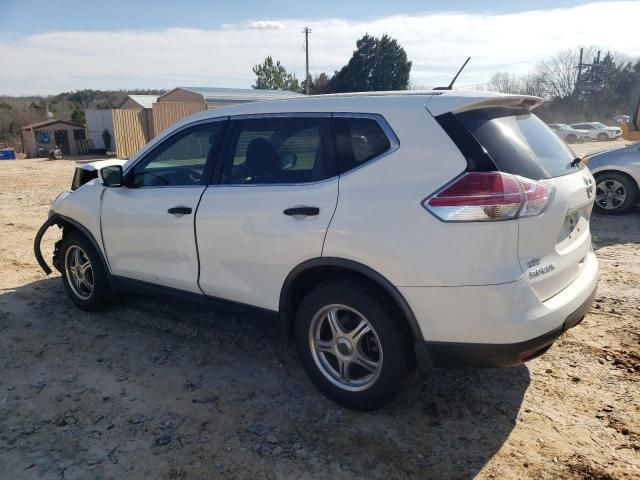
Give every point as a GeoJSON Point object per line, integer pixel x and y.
{"type": "Point", "coordinates": [39, 138]}
{"type": "Point", "coordinates": [133, 124]}
{"type": "Point", "coordinates": [132, 128]}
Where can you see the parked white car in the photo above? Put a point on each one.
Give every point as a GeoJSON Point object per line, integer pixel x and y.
{"type": "Point", "coordinates": [383, 231]}
{"type": "Point", "coordinates": [599, 131]}
{"type": "Point", "coordinates": [568, 133]}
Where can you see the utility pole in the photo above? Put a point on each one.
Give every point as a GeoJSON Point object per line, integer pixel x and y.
{"type": "Point", "coordinates": [306, 32]}
{"type": "Point", "coordinates": [579, 72]}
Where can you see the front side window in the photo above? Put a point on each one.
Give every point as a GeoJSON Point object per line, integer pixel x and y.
{"type": "Point", "coordinates": [179, 161]}
{"type": "Point", "coordinates": [280, 150]}
{"type": "Point", "coordinates": [358, 140]}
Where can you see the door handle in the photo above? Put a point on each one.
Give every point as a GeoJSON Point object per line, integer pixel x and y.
{"type": "Point", "coordinates": [306, 211]}
{"type": "Point", "coordinates": [179, 210]}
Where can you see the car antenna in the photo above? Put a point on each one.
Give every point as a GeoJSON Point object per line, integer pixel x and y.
{"type": "Point", "coordinates": [450, 87]}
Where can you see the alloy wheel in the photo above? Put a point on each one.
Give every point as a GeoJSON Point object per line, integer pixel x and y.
{"type": "Point", "coordinates": [610, 194]}
{"type": "Point", "coordinates": [345, 347]}
{"type": "Point", "coordinates": [79, 272]}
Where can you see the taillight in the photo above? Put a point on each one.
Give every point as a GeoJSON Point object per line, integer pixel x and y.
{"type": "Point", "coordinates": [488, 196]}
{"type": "Point", "coordinates": [536, 197]}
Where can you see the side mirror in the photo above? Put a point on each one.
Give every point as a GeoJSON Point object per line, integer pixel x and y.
{"type": "Point", "coordinates": [111, 176]}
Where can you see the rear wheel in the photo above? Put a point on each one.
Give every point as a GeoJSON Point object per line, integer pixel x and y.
{"type": "Point", "coordinates": [352, 345]}
{"type": "Point", "coordinates": [603, 137]}
{"type": "Point", "coordinates": [83, 274]}
{"type": "Point", "coordinates": [615, 193]}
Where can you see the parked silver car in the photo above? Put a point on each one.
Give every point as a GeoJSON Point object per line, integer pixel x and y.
{"type": "Point", "coordinates": [617, 174]}
{"type": "Point", "coordinates": [568, 133]}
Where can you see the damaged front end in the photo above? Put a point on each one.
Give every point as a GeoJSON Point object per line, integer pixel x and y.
{"type": "Point", "coordinates": [52, 220]}
{"type": "Point", "coordinates": [61, 216]}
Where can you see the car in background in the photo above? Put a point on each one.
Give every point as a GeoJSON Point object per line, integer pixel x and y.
{"type": "Point", "coordinates": [599, 131]}
{"type": "Point", "coordinates": [617, 175]}
{"type": "Point", "coordinates": [568, 133]}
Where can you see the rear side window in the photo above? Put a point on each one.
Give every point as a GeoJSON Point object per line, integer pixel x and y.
{"type": "Point", "coordinates": [358, 140]}
{"type": "Point", "coordinates": [280, 150]}
{"type": "Point", "coordinates": [519, 142]}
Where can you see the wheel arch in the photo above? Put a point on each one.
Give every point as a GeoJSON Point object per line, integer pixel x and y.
{"type": "Point", "coordinates": [312, 272]}
{"type": "Point", "coordinates": [69, 225]}
{"type": "Point", "coordinates": [604, 171]}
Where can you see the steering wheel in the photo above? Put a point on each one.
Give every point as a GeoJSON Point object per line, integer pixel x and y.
{"type": "Point", "coordinates": [188, 175]}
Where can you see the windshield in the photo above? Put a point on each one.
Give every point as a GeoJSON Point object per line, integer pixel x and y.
{"type": "Point", "coordinates": [519, 142]}
{"type": "Point", "coordinates": [599, 125]}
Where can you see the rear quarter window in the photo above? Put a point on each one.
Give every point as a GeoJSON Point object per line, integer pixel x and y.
{"type": "Point", "coordinates": [519, 142]}
{"type": "Point", "coordinates": [359, 140]}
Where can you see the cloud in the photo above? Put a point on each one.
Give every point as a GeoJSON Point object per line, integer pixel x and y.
{"type": "Point", "coordinates": [437, 43]}
{"type": "Point", "coordinates": [266, 25]}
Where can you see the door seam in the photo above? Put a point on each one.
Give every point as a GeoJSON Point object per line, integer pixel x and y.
{"type": "Point", "coordinates": [335, 209]}
{"type": "Point", "coordinates": [195, 237]}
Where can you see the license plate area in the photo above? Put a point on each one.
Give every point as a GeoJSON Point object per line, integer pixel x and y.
{"type": "Point", "coordinates": [576, 223]}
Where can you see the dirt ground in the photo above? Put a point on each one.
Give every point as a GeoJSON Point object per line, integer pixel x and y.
{"type": "Point", "coordinates": [157, 389]}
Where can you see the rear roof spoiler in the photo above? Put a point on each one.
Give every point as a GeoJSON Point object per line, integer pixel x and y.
{"type": "Point", "coordinates": [458, 102]}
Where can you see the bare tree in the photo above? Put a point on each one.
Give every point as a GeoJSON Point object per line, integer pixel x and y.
{"type": "Point", "coordinates": [559, 74]}
{"type": "Point", "coordinates": [504, 83]}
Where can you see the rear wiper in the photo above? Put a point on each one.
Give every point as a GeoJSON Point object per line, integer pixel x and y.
{"type": "Point", "coordinates": [575, 162]}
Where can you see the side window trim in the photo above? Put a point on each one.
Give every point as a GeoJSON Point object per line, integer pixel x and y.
{"type": "Point", "coordinates": [214, 154]}
{"type": "Point", "coordinates": [227, 148]}
{"type": "Point", "coordinates": [386, 129]}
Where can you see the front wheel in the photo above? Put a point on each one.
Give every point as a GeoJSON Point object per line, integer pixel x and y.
{"type": "Point", "coordinates": [615, 193]}
{"type": "Point", "coordinates": [351, 344]}
{"type": "Point", "coordinates": [83, 274]}
{"type": "Point", "coordinates": [603, 137]}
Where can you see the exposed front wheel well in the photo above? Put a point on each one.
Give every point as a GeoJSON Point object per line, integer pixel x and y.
{"type": "Point", "coordinates": [70, 226]}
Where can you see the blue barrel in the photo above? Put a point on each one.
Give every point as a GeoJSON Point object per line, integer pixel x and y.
{"type": "Point", "coordinates": [7, 154]}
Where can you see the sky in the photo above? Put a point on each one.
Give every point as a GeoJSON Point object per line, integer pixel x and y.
{"type": "Point", "coordinates": [47, 47]}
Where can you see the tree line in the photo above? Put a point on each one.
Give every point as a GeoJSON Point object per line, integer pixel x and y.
{"type": "Point", "coordinates": [603, 87]}
{"type": "Point", "coordinates": [376, 64]}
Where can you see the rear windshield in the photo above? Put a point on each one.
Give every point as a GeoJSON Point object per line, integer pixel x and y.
{"type": "Point", "coordinates": [519, 142]}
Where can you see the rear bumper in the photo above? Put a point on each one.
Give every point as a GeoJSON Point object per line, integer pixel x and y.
{"type": "Point", "coordinates": [497, 325]}
{"type": "Point", "coordinates": [456, 355]}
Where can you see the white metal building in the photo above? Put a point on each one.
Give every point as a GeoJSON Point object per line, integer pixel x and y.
{"type": "Point", "coordinates": [97, 122]}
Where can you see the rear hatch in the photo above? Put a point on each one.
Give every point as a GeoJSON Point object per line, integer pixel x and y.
{"type": "Point", "coordinates": [552, 245]}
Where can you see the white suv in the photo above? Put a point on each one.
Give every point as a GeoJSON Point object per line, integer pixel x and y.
{"type": "Point", "coordinates": [599, 131]}
{"type": "Point", "coordinates": [383, 231]}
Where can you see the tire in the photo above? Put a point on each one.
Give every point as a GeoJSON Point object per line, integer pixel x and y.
{"type": "Point", "coordinates": [384, 347]}
{"type": "Point", "coordinates": [572, 138]}
{"type": "Point", "coordinates": [603, 137]}
{"type": "Point", "coordinates": [615, 193]}
{"type": "Point", "coordinates": [92, 293]}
